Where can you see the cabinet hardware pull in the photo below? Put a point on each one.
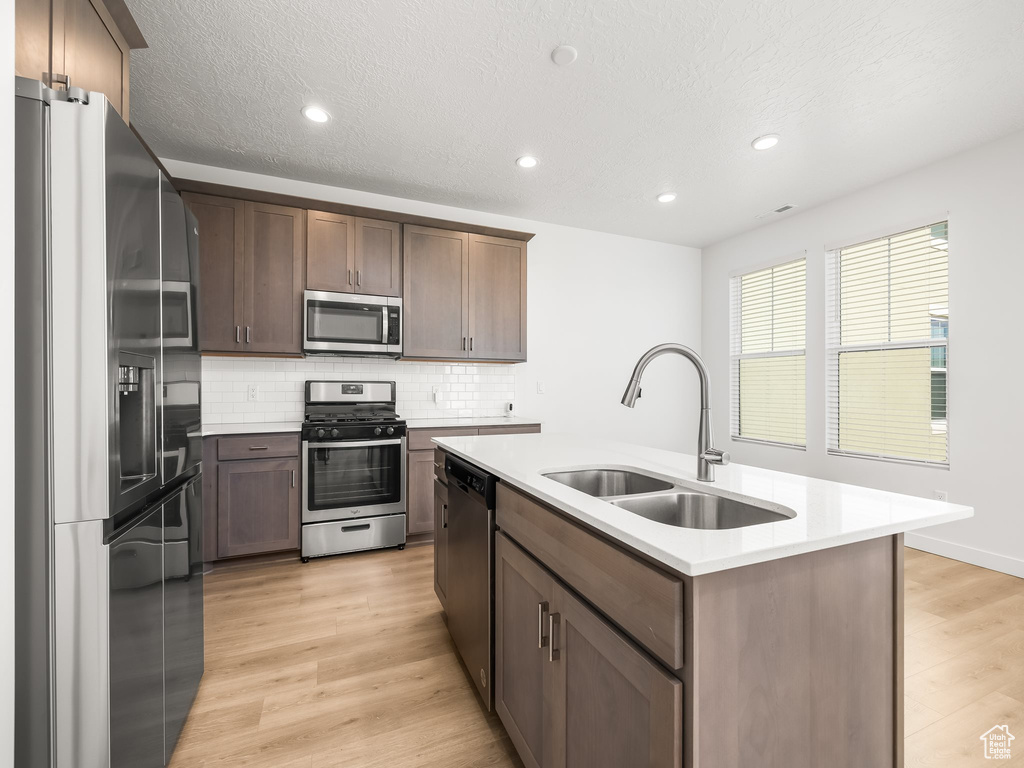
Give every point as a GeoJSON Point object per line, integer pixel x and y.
{"type": "Point", "coordinates": [359, 277]}
{"type": "Point", "coordinates": [470, 343]}
{"type": "Point", "coordinates": [247, 334]}
{"type": "Point", "coordinates": [350, 277]}
{"type": "Point", "coordinates": [542, 608]}
{"type": "Point", "coordinates": [553, 618]}
{"type": "Point", "coordinates": [238, 334]}
{"type": "Point", "coordinates": [259, 447]}
{"type": "Point", "coordinates": [444, 515]}
{"type": "Point", "coordinates": [293, 478]}
{"type": "Point", "coordinates": [463, 343]}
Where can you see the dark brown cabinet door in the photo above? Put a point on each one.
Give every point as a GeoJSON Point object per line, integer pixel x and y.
{"type": "Point", "coordinates": [497, 298]}
{"type": "Point", "coordinates": [79, 39]}
{"type": "Point", "coordinates": [274, 276]}
{"type": "Point", "coordinates": [257, 506]}
{"type": "Point", "coordinates": [330, 250]}
{"type": "Point", "coordinates": [95, 52]}
{"type": "Point", "coordinates": [221, 271]}
{"type": "Point", "coordinates": [441, 542]}
{"type": "Point", "coordinates": [436, 281]}
{"type": "Point", "coordinates": [523, 593]}
{"type": "Point", "coordinates": [612, 704]}
{"type": "Point", "coordinates": [378, 259]}
{"type": "Point", "coordinates": [420, 492]}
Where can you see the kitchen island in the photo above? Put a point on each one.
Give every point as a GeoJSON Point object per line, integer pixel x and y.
{"type": "Point", "coordinates": [621, 640]}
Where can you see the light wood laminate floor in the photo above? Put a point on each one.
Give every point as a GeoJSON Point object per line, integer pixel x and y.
{"type": "Point", "coordinates": [347, 662]}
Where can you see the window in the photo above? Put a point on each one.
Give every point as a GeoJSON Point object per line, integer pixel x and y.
{"type": "Point", "coordinates": [887, 336]}
{"type": "Point", "coordinates": [768, 323]}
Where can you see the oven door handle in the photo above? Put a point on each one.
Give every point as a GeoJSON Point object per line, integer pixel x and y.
{"type": "Point", "coordinates": [356, 443]}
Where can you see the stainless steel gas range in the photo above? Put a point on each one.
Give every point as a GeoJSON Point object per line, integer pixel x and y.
{"type": "Point", "coordinates": [353, 464]}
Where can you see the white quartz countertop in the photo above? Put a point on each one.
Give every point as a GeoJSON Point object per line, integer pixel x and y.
{"type": "Point", "coordinates": [474, 421]}
{"type": "Point", "coordinates": [828, 514]}
{"type": "Point", "coordinates": [251, 428]}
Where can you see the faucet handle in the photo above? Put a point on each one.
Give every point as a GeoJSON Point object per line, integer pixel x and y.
{"type": "Point", "coordinates": [716, 456]}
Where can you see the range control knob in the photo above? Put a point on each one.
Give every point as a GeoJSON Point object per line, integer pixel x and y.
{"type": "Point", "coordinates": [391, 430]}
{"type": "Point", "coordinates": [320, 433]}
{"type": "Point", "coordinates": [376, 430]}
{"type": "Point", "coordinates": [334, 433]}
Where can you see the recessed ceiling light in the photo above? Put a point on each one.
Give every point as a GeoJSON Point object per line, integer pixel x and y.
{"type": "Point", "coordinates": [666, 197]}
{"type": "Point", "coordinates": [564, 55]}
{"type": "Point", "coordinates": [526, 161]}
{"type": "Point", "coordinates": [765, 142]}
{"type": "Point", "coordinates": [316, 114]}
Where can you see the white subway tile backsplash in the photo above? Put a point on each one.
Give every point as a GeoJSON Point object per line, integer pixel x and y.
{"type": "Point", "coordinates": [466, 390]}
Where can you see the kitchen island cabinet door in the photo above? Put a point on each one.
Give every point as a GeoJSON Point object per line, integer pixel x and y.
{"type": "Point", "coordinates": [523, 593]}
{"type": "Point", "coordinates": [435, 295]}
{"type": "Point", "coordinates": [378, 257]}
{"type": "Point", "coordinates": [441, 542]}
{"type": "Point", "coordinates": [497, 298]}
{"type": "Point", "coordinates": [221, 271]}
{"type": "Point", "coordinates": [274, 278]}
{"type": "Point", "coordinates": [257, 506]}
{"type": "Point", "coordinates": [612, 704]}
{"type": "Point", "coordinates": [330, 249]}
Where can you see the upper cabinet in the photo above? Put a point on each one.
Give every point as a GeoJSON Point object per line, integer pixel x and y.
{"type": "Point", "coordinates": [436, 324]}
{"type": "Point", "coordinates": [349, 254]}
{"type": "Point", "coordinates": [251, 275]}
{"type": "Point", "coordinates": [497, 298]}
{"type": "Point", "coordinates": [77, 43]}
{"type": "Point", "coordinates": [465, 296]}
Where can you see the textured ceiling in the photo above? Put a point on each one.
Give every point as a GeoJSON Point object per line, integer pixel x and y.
{"type": "Point", "coordinates": [434, 100]}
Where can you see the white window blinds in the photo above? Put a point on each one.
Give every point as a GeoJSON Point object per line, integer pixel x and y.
{"type": "Point", "coordinates": [768, 330]}
{"type": "Point", "coordinates": [887, 335]}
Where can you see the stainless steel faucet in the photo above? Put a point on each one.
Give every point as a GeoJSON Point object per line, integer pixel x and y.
{"type": "Point", "coordinates": [707, 454]}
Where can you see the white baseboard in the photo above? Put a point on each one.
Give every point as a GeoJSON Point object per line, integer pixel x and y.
{"type": "Point", "coordinates": [981, 557]}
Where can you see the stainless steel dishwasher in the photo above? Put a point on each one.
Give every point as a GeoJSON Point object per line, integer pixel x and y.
{"type": "Point", "coordinates": [471, 570]}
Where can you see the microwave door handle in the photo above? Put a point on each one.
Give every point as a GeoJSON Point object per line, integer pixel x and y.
{"type": "Point", "coordinates": [384, 325]}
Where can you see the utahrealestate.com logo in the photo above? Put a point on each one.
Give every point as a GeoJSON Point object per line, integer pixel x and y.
{"type": "Point", "coordinates": [997, 742]}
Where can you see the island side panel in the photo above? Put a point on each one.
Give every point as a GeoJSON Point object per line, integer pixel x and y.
{"type": "Point", "coordinates": [798, 661]}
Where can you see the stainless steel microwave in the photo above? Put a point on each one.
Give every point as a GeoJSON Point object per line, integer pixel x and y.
{"type": "Point", "coordinates": [351, 324]}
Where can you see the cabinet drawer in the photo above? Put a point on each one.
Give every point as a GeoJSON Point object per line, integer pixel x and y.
{"type": "Point", "coordinates": [257, 447]}
{"type": "Point", "coordinates": [516, 429]}
{"type": "Point", "coordinates": [419, 439]}
{"type": "Point", "coordinates": [643, 600]}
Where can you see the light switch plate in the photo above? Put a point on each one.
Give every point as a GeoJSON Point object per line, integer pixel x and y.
{"type": "Point", "coordinates": [540, 387]}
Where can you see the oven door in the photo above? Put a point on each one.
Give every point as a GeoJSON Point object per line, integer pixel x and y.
{"type": "Point", "coordinates": [353, 478]}
{"type": "Point", "coordinates": [341, 322]}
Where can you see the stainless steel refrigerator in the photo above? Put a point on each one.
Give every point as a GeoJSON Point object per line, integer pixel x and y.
{"type": "Point", "coordinates": [109, 574]}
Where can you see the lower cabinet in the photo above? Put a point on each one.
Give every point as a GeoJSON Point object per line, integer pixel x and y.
{"type": "Point", "coordinates": [441, 542]}
{"type": "Point", "coordinates": [420, 492]}
{"type": "Point", "coordinates": [570, 688]}
{"type": "Point", "coordinates": [254, 507]}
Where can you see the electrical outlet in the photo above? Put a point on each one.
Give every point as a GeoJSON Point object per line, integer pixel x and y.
{"type": "Point", "coordinates": [940, 495]}
{"type": "Point", "coordinates": [252, 393]}
{"type": "Point", "coordinates": [540, 387]}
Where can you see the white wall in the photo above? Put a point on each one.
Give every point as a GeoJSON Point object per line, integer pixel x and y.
{"type": "Point", "coordinates": [7, 384]}
{"type": "Point", "coordinates": [595, 303]}
{"type": "Point", "coordinates": [983, 192]}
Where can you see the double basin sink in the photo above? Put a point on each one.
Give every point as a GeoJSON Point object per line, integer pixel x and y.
{"type": "Point", "coordinates": [666, 502]}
